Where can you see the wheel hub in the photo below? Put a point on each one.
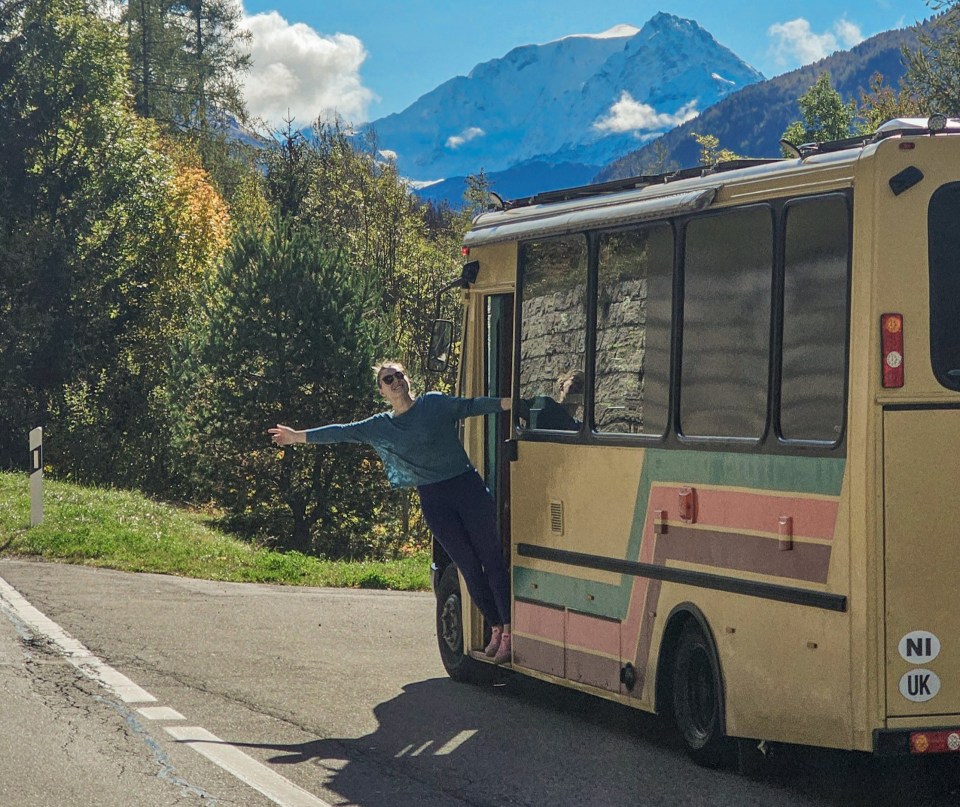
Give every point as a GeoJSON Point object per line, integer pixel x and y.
{"type": "Point", "coordinates": [451, 629]}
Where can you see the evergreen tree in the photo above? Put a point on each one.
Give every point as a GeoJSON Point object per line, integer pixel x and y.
{"type": "Point", "coordinates": [291, 338]}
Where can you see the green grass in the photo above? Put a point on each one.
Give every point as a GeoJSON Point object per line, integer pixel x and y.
{"type": "Point", "coordinates": [124, 530]}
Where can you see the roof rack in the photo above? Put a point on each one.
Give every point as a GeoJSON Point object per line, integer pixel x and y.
{"type": "Point", "coordinates": [891, 128]}
{"type": "Point", "coordinates": [634, 183]}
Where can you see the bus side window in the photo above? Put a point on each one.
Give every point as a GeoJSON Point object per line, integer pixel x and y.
{"type": "Point", "coordinates": [725, 365]}
{"type": "Point", "coordinates": [816, 258]}
{"type": "Point", "coordinates": [631, 390]}
{"type": "Point", "coordinates": [553, 332]}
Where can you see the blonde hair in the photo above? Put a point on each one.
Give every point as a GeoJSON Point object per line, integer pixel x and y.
{"type": "Point", "coordinates": [383, 365]}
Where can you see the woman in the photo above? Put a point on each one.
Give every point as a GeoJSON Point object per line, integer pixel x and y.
{"type": "Point", "coordinates": [420, 448]}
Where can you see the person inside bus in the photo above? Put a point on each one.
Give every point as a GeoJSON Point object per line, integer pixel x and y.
{"type": "Point", "coordinates": [420, 447]}
{"type": "Point", "coordinates": [560, 413]}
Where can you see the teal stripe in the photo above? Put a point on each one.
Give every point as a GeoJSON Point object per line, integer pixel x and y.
{"type": "Point", "coordinates": [763, 473]}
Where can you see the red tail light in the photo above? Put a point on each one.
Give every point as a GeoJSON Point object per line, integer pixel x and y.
{"type": "Point", "coordinates": [464, 251]}
{"type": "Point", "coordinates": [891, 349]}
{"type": "Point", "coordinates": [935, 742]}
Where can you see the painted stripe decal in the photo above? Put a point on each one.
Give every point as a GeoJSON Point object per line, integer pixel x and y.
{"type": "Point", "coordinates": [750, 588]}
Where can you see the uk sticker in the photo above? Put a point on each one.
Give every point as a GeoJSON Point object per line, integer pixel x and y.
{"type": "Point", "coordinates": [919, 685]}
{"type": "Point", "coordinates": [919, 647]}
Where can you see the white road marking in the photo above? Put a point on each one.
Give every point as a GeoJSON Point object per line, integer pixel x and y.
{"type": "Point", "coordinates": [453, 744]}
{"type": "Point", "coordinates": [160, 713]}
{"type": "Point", "coordinates": [76, 653]}
{"type": "Point", "coordinates": [279, 790]}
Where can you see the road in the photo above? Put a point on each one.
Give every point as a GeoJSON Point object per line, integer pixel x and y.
{"type": "Point", "coordinates": [337, 697]}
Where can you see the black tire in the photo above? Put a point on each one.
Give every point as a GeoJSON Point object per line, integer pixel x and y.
{"type": "Point", "coordinates": [459, 666]}
{"type": "Point", "coordinates": [698, 699]}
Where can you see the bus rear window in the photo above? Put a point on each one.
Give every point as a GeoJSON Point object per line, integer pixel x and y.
{"type": "Point", "coordinates": [944, 250]}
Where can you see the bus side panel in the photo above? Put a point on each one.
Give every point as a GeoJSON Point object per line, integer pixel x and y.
{"type": "Point", "coordinates": [626, 504]}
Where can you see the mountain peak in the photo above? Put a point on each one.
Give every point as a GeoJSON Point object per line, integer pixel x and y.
{"type": "Point", "coordinates": [585, 98]}
{"type": "Point", "coordinates": [622, 31]}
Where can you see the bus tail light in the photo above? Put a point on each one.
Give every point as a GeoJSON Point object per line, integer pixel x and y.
{"type": "Point", "coordinates": [935, 742]}
{"type": "Point", "coordinates": [891, 348]}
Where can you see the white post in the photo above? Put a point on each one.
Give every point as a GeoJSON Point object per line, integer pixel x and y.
{"type": "Point", "coordinates": [36, 476]}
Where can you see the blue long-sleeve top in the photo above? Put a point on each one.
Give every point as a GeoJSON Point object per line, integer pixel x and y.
{"type": "Point", "coordinates": [419, 447]}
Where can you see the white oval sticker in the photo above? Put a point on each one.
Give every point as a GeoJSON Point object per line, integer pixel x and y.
{"type": "Point", "coordinates": [919, 647]}
{"type": "Point", "coordinates": [919, 685]}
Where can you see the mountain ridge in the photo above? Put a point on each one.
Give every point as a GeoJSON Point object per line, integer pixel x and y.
{"type": "Point", "coordinates": [582, 99]}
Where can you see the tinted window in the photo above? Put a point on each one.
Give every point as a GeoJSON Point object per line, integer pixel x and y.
{"type": "Point", "coordinates": [633, 331]}
{"type": "Point", "coordinates": [944, 248]}
{"type": "Point", "coordinates": [816, 255]}
{"type": "Point", "coordinates": [726, 324]}
{"type": "Point", "coordinates": [553, 331]}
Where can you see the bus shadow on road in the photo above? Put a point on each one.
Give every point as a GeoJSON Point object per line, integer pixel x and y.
{"type": "Point", "coordinates": [519, 740]}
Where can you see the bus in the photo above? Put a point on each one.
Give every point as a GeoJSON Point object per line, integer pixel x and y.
{"type": "Point", "coordinates": [746, 515]}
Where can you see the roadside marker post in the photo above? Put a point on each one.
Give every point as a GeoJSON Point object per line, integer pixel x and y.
{"type": "Point", "coordinates": [36, 476]}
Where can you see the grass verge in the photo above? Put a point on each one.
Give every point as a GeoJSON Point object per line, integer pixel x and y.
{"type": "Point", "coordinates": [125, 530]}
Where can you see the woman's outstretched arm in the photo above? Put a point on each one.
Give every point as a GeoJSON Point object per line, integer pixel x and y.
{"type": "Point", "coordinates": [284, 435]}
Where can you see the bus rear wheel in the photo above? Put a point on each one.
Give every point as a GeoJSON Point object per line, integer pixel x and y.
{"type": "Point", "coordinates": [698, 699]}
{"type": "Point", "coordinates": [450, 632]}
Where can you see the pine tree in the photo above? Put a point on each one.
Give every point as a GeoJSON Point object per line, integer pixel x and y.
{"type": "Point", "coordinates": [291, 338]}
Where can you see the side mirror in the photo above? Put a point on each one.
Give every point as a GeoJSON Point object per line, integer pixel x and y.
{"type": "Point", "coordinates": [441, 339]}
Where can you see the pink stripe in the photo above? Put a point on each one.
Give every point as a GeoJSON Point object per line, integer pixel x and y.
{"type": "Point", "coordinates": [536, 620]}
{"type": "Point", "coordinates": [754, 512]}
{"type": "Point", "coordinates": [591, 633]}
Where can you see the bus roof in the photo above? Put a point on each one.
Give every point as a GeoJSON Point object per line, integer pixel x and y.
{"type": "Point", "coordinates": [634, 199]}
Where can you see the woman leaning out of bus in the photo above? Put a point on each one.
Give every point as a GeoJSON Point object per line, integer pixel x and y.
{"type": "Point", "coordinates": [418, 443]}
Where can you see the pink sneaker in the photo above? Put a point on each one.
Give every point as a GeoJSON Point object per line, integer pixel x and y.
{"type": "Point", "coordinates": [504, 655]}
{"type": "Point", "coordinates": [491, 649]}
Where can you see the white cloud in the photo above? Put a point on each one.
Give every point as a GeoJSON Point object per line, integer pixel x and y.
{"type": "Point", "coordinates": [629, 115]}
{"type": "Point", "coordinates": [796, 43]}
{"type": "Point", "coordinates": [298, 72]}
{"type": "Point", "coordinates": [471, 133]}
{"type": "Point", "coordinates": [387, 154]}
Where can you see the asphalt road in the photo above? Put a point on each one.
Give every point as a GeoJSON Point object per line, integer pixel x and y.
{"type": "Point", "coordinates": [332, 697]}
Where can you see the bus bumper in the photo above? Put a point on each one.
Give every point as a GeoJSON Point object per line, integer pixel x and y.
{"type": "Point", "coordinates": [916, 742]}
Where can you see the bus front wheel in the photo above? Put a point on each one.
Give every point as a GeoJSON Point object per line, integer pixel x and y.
{"type": "Point", "coordinates": [698, 698]}
{"type": "Point", "coordinates": [450, 632]}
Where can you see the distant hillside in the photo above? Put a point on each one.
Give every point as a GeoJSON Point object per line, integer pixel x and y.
{"type": "Point", "coordinates": [751, 121]}
{"type": "Point", "coordinates": [520, 180]}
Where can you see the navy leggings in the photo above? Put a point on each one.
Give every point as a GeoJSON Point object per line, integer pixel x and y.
{"type": "Point", "coordinates": [462, 516]}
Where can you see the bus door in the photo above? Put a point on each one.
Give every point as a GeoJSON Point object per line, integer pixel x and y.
{"type": "Point", "coordinates": [498, 373]}
{"type": "Point", "coordinates": [922, 558]}
{"type": "Point", "coordinates": [921, 462]}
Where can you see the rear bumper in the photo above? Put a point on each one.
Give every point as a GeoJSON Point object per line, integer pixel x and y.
{"type": "Point", "coordinates": [917, 742]}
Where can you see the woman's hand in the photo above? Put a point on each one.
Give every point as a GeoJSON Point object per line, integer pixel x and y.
{"type": "Point", "coordinates": [506, 404]}
{"type": "Point", "coordinates": [284, 435]}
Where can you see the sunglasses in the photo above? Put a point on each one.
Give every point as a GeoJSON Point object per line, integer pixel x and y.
{"type": "Point", "coordinates": [388, 379]}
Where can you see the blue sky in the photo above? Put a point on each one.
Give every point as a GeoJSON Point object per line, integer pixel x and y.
{"type": "Point", "coordinates": [365, 59]}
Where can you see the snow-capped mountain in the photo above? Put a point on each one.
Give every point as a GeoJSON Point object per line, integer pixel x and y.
{"type": "Point", "coordinates": [583, 99]}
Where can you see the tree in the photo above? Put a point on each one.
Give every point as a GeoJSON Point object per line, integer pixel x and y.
{"type": "Point", "coordinates": [825, 115]}
{"type": "Point", "coordinates": [289, 338]}
{"type": "Point", "coordinates": [186, 60]}
{"type": "Point", "coordinates": [710, 151]}
{"type": "Point", "coordinates": [933, 69]}
{"type": "Point", "coordinates": [883, 103]}
{"type": "Point", "coordinates": [105, 235]}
